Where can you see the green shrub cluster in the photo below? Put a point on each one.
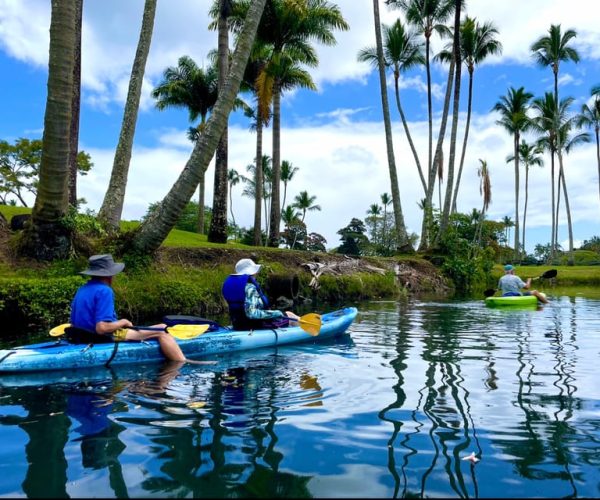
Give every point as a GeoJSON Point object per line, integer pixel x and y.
{"type": "Point", "coordinates": [359, 286]}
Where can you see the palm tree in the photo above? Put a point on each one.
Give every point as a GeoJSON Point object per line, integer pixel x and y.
{"type": "Point", "coordinates": [195, 89]}
{"type": "Point", "coordinates": [530, 155]}
{"type": "Point", "coordinates": [290, 217]}
{"type": "Point", "coordinates": [264, 187]}
{"type": "Point", "coordinates": [305, 203]}
{"type": "Point", "coordinates": [477, 42]}
{"type": "Point", "coordinates": [287, 174]}
{"type": "Point", "coordinates": [112, 205]}
{"type": "Point", "coordinates": [590, 117]}
{"type": "Point", "coordinates": [221, 10]}
{"type": "Point", "coordinates": [385, 202]}
{"type": "Point", "coordinates": [401, 52]}
{"type": "Point", "coordinates": [47, 238]}
{"type": "Point", "coordinates": [508, 223]}
{"type": "Point", "coordinates": [374, 213]}
{"type": "Point", "coordinates": [75, 107]}
{"type": "Point", "coordinates": [152, 232]}
{"type": "Point", "coordinates": [233, 178]}
{"type": "Point", "coordinates": [513, 118]}
{"type": "Point", "coordinates": [553, 48]}
{"type": "Point", "coordinates": [404, 244]}
{"type": "Point", "coordinates": [485, 189]}
{"type": "Point", "coordinates": [288, 27]}
{"type": "Point", "coordinates": [429, 17]}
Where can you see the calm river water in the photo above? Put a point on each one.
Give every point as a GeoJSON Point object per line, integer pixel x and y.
{"type": "Point", "coordinates": [389, 410]}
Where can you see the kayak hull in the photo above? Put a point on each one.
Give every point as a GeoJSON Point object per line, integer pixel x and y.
{"type": "Point", "coordinates": [61, 355]}
{"type": "Point", "coordinates": [519, 301]}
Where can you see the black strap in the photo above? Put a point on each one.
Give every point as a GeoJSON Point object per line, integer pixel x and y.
{"type": "Point", "coordinates": [114, 353]}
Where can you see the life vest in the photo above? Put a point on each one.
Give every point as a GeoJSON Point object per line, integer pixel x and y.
{"type": "Point", "coordinates": [234, 292]}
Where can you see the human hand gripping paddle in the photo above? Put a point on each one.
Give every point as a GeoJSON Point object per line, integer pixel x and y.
{"type": "Point", "coordinates": [551, 273]}
{"type": "Point", "coordinates": [182, 332]}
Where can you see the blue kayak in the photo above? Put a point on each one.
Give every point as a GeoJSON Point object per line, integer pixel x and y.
{"type": "Point", "coordinates": [62, 355]}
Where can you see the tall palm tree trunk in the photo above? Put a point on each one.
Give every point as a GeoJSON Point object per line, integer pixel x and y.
{"type": "Point", "coordinates": [403, 244]}
{"type": "Point", "coordinates": [46, 238]}
{"type": "Point", "coordinates": [258, 184]}
{"type": "Point", "coordinates": [552, 205]}
{"type": "Point", "coordinates": [75, 106]}
{"type": "Point", "coordinates": [516, 150]}
{"type": "Point", "coordinates": [561, 176]}
{"type": "Point", "coordinates": [112, 206]}
{"type": "Point", "coordinates": [464, 146]}
{"type": "Point", "coordinates": [155, 229]}
{"type": "Point", "coordinates": [525, 203]}
{"type": "Point", "coordinates": [201, 203]}
{"type": "Point", "coordinates": [218, 223]}
{"type": "Point", "coordinates": [597, 130]}
{"type": "Point", "coordinates": [453, 132]}
{"type": "Point", "coordinates": [276, 181]}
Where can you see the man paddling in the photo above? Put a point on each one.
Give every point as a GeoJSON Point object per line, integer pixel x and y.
{"type": "Point", "coordinates": [93, 310]}
{"type": "Point", "coordinates": [510, 285]}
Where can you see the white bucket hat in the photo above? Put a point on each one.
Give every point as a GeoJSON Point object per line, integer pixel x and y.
{"type": "Point", "coordinates": [246, 266]}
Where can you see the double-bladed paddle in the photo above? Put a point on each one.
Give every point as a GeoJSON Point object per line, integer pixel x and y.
{"type": "Point", "coordinates": [183, 332]}
{"type": "Point", "coordinates": [550, 273]}
{"type": "Point", "coordinates": [311, 323]}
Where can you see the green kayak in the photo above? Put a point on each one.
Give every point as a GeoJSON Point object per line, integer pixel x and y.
{"type": "Point", "coordinates": [519, 300]}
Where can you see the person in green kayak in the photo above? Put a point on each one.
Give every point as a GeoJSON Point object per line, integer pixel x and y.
{"type": "Point", "coordinates": [248, 305]}
{"type": "Point", "coordinates": [510, 285]}
{"type": "Point", "coordinates": [93, 311]}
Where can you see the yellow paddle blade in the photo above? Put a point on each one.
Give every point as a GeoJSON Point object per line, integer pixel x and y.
{"type": "Point", "coordinates": [59, 330]}
{"type": "Point", "coordinates": [186, 332]}
{"type": "Point", "coordinates": [311, 323]}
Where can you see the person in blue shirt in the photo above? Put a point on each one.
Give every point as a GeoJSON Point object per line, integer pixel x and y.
{"type": "Point", "coordinates": [510, 285]}
{"type": "Point", "coordinates": [248, 305]}
{"type": "Point", "coordinates": [93, 309]}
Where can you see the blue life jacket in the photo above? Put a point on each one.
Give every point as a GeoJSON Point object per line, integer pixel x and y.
{"type": "Point", "coordinates": [234, 292]}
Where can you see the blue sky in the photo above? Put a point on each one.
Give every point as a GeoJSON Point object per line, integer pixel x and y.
{"type": "Point", "coordinates": [334, 136]}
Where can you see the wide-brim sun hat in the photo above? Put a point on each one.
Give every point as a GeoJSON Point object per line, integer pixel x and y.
{"type": "Point", "coordinates": [103, 266]}
{"type": "Point", "coordinates": [508, 267]}
{"type": "Point", "coordinates": [246, 266]}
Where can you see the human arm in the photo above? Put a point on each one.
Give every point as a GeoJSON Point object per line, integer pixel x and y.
{"type": "Point", "coordinates": [253, 305]}
{"type": "Point", "coordinates": [106, 327]}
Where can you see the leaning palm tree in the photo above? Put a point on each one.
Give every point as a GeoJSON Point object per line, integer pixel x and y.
{"type": "Point", "coordinates": [477, 42]}
{"type": "Point", "coordinates": [304, 203]}
{"type": "Point", "coordinates": [75, 107]}
{"type": "Point", "coordinates": [152, 232]}
{"type": "Point", "coordinates": [590, 117]}
{"type": "Point", "coordinates": [287, 174]}
{"type": "Point", "coordinates": [530, 155]}
{"type": "Point", "coordinates": [47, 237]}
{"type": "Point", "coordinates": [401, 52]}
{"type": "Point", "coordinates": [190, 87]}
{"type": "Point", "coordinates": [513, 118]}
{"type": "Point", "coordinates": [112, 205]}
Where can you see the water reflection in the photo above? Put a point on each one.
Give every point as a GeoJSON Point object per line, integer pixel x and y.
{"type": "Point", "coordinates": [391, 410]}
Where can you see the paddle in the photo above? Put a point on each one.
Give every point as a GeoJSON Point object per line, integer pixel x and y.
{"type": "Point", "coordinates": [183, 332]}
{"type": "Point", "coordinates": [550, 273]}
{"type": "Point", "coordinates": [311, 323]}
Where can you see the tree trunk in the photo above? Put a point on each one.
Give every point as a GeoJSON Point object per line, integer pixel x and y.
{"type": "Point", "coordinates": [561, 175]}
{"type": "Point", "coordinates": [428, 208]}
{"type": "Point", "coordinates": [553, 204]}
{"type": "Point", "coordinates": [403, 243]}
{"type": "Point", "coordinates": [455, 108]}
{"type": "Point", "coordinates": [112, 206]}
{"type": "Point", "coordinates": [464, 147]}
{"type": "Point", "coordinates": [46, 238]}
{"type": "Point", "coordinates": [516, 150]}
{"type": "Point", "coordinates": [275, 219]}
{"type": "Point", "coordinates": [258, 184]}
{"type": "Point", "coordinates": [75, 107]}
{"type": "Point", "coordinates": [525, 205]}
{"type": "Point", "coordinates": [598, 155]}
{"type": "Point", "coordinates": [201, 203]}
{"type": "Point", "coordinates": [218, 223]}
{"type": "Point", "coordinates": [155, 229]}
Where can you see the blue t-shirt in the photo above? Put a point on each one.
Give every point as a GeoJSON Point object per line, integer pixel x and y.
{"type": "Point", "coordinates": [93, 302]}
{"type": "Point", "coordinates": [509, 283]}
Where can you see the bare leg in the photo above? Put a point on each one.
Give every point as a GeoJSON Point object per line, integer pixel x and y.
{"type": "Point", "coordinates": [539, 296]}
